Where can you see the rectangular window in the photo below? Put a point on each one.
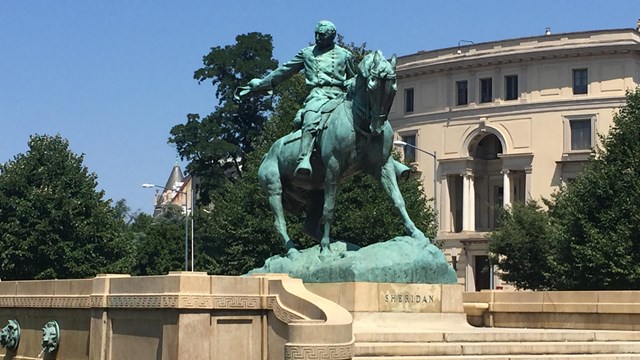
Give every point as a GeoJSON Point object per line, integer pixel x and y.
{"type": "Point", "coordinates": [409, 151]}
{"type": "Point", "coordinates": [461, 93]}
{"type": "Point", "coordinates": [580, 81]}
{"type": "Point", "coordinates": [486, 94]}
{"type": "Point", "coordinates": [511, 87]}
{"type": "Point", "coordinates": [408, 100]}
{"type": "Point", "coordinates": [580, 134]}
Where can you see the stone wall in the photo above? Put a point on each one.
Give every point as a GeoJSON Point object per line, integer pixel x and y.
{"type": "Point", "coordinates": [600, 310]}
{"type": "Point", "coordinates": [183, 315]}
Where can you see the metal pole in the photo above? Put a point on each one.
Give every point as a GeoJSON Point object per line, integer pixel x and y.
{"type": "Point", "coordinates": [186, 233]}
{"type": "Point", "coordinates": [192, 226]}
{"type": "Point", "coordinates": [435, 184]}
{"type": "Point", "coordinates": [434, 155]}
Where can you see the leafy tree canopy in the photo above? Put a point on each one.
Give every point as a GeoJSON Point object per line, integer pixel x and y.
{"type": "Point", "coordinates": [53, 221]}
{"type": "Point", "coordinates": [590, 236]}
{"type": "Point", "coordinates": [160, 242]}
{"type": "Point", "coordinates": [215, 146]}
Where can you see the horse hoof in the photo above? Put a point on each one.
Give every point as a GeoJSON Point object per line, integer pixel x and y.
{"type": "Point", "coordinates": [293, 253]}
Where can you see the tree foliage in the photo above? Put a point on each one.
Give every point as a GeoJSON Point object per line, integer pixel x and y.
{"type": "Point", "coordinates": [598, 216]}
{"type": "Point", "coordinates": [593, 228]}
{"type": "Point", "coordinates": [53, 221]}
{"type": "Point", "coordinates": [160, 242]}
{"type": "Point", "coordinates": [523, 245]}
{"type": "Point", "coordinates": [215, 146]}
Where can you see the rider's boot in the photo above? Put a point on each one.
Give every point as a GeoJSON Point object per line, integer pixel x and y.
{"type": "Point", "coordinates": [304, 160]}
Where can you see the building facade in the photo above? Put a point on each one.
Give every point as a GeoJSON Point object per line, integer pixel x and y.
{"type": "Point", "coordinates": [177, 191]}
{"type": "Point", "coordinates": [506, 121]}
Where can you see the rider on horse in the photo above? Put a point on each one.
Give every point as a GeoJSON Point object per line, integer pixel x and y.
{"type": "Point", "coordinates": [328, 69]}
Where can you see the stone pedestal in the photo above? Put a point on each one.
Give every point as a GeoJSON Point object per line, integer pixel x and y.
{"type": "Point", "coordinates": [397, 306]}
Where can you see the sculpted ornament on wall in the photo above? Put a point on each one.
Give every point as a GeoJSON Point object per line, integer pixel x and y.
{"type": "Point", "coordinates": [50, 337]}
{"type": "Point", "coordinates": [10, 335]}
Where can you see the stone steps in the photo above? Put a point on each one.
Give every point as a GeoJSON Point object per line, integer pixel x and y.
{"type": "Point", "coordinates": [496, 348]}
{"type": "Point", "coordinates": [497, 335]}
{"type": "Point", "coordinates": [508, 357]}
{"type": "Point", "coordinates": [496, 344]}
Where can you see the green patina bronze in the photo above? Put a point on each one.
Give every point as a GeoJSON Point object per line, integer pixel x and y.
{"type": "Point", "coordinates": [50, 337]}
{"type": "Point", "coordinates": [329, 70]}
{"type": "Point", "coordinates": [344, 131]}
{"type": "Point", "coordinates": [345, 119]}
{"type": "Point", "coordinates": [10, 335]}
{"type": "Point", "coordinates": [399, 260]}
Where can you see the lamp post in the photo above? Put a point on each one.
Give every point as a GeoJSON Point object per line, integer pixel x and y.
{"type": "Point", "coordinates": [434, 155]}
{"type": "Point", "coordinates": [186, 222]}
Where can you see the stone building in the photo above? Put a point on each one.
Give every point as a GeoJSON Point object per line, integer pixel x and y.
{"type": "Point", "coordinates": [176, 191]}
{"type": "Point", "coordinates": [506, 121]}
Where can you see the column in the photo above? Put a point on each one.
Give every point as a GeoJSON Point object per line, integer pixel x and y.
{"type": "Point", "coordinates": [472, 203]}
{"type": "Point", "coordinates": [527, 184]}
{"type": "Point", "coordinates": [506, 189]}
{"type": "Point", "coordinates": [445, 208]}
{"type": "Point", "coordinates": [468, 203]}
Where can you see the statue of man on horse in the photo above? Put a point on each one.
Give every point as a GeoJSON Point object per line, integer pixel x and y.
{"type": "Point", "coordinates": [329, 70]}
{"type": "Point", "coordinates": [345, 120]}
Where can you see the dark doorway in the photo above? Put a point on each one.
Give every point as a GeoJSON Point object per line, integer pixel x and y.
{"type": "Point", "coordinates": [482, 275]}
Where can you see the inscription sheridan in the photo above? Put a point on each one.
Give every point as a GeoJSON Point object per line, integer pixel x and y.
{"type": "Point", "coordinates": [408, 298]}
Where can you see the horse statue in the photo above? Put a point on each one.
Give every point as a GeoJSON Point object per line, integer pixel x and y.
{"type": "Point", "coordinates": [356, 137]}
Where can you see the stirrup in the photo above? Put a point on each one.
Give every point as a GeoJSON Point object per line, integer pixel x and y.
{"type": "Point", "coordinates": [304, 168]}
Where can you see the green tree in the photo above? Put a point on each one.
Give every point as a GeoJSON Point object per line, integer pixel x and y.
{"type": "Point", "coordinates": [590, 237]}
{"type": "Point", "coordinates": [598, 215]}
{"type": "Point", "coordinates": [160, 242]}
{"type": "Point", "coordinates": [53, 221]}
{"type": "Point", "coordinates": [215, 146]}
{"type": "Point", "coordinates": [521, 246]}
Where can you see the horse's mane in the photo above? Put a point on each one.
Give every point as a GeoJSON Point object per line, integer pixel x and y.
{"type": "Point", "coordinates": [370, 65]}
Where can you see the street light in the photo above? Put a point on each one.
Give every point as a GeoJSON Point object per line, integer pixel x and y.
{"type": "Point", "coordinates": [186, 223]}
{"type": "Point", "coordinates": [434, 155]}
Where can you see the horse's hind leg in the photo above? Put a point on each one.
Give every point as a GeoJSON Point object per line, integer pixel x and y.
{"type": "Point", "coordinates": [313, 217]}
{"type": "Point", "coordinates": [387, 178]}
{"type": "Point", "coordinates": [331, 179]}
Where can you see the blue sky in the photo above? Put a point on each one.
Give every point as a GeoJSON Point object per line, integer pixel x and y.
{"type": "Point", "coordinates": [114, 76]}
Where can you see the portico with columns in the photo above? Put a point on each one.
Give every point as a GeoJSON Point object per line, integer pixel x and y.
{"type": "Point", "coordinates": [474, 188]}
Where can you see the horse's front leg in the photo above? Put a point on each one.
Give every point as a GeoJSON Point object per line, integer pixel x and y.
{"type": "Point", "coordinates": [275, 201]}
{"type": "Point", "coordinates": [387, 178]}
{"type": "Point", "coordinates": [270, 180]}
{"type": "Point", "coordinates": [330, 190]}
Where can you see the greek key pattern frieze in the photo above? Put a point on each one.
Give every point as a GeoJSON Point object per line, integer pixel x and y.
{"type": "Point", "coordinates": [283, 315]}
{"type": "Point", "coordinates": [236, 302]}
{"type": "Point", "coordinates": [75, 302]}
{"type": "Point", "coordinates": [45, 301]}
{"type": "Point", "coordinates": [196, 301]}
{"type": "Point", "coordinates": [97, 301]}
{"type": "Point", "coordinates": [6, 301]}
{"type": "Point", "coordinates": [133, 301]}
{"type": "Point", "coordinates": [188, 301]}
{"type": "Point", "coordinates": [319, 352]}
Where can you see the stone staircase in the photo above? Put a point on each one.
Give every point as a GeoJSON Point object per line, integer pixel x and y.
{"type": "Point", "coordinates": [469, 343]}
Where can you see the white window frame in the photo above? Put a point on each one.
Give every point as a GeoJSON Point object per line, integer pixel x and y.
{"type": "Point", "coordinates": [402, 136]}
{"type": "Point", "coordinates": [567, 133]}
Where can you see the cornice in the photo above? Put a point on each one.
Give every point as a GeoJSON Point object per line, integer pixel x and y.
{"type": "Point", "coordinates": [520, 109]}
{"type": "Point", "coordinates": [525, 50]}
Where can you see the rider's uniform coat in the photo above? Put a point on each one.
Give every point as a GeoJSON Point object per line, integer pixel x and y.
{"type": "Point", "coordinates": [327, 73]}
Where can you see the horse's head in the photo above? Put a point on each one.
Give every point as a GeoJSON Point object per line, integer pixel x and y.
{"type": "Point", "coordinates": [380, 79]}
